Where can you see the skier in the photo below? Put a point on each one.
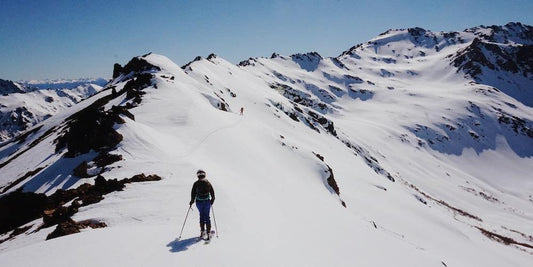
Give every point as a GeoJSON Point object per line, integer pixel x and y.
{"type": "Point", "coordinates": [242, 111]}
{"type": "Point", "coordinates": [202, 192]}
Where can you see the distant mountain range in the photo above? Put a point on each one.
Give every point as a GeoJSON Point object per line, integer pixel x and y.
{"type": "Point", "coordinates": [25, 103]}
{"type": "Point", "coordinates": [412, 149]}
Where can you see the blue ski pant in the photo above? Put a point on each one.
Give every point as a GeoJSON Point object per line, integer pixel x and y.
{"type": "Point", "coordinates": [204, 206]}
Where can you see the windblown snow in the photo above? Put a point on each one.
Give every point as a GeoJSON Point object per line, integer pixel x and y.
{"type": "Point", "coordinates": [431, 152]}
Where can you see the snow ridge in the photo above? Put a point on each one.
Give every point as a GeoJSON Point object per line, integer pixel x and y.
{"type": "Point", "coordinates": [406, 144]}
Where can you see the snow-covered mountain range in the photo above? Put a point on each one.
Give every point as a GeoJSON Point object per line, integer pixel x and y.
{"type": "Point", "coordinates": [413, 149]}
{"type": "Point", "coordinates": [26, 103]}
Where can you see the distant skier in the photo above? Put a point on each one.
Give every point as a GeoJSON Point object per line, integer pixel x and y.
{"type": "Point", "coordinates": [242, 111]}
{"type": "Point", "coordinates": [202, 192]}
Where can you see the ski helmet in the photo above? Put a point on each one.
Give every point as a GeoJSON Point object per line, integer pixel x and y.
{"type": "Point", "coordinates": [200, 174]}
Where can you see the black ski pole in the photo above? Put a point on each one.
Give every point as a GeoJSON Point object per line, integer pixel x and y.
{"type": "Point", "coordinates": [214, 219]}
{"type": "Point", "coordinates": [190, 207]}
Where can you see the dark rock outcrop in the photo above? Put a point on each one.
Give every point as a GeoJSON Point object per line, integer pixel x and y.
{"type": "Point", "coordinates": [18, 208]}
{"type": "Point", "coordinates": [70, 226]}
{"type": "Point", "coordinates": [331, 179]}
{"type": "Point", "coordinates": [308, 61]}
{"type": "Point", "coordinates": [133, 87]}
{"type": "Point", "coordinates": [104, 159]}
{"type": "Point", "coordinates": [9, 87]}
{"type": "Point", "coordinates": [136, 65]}
{"type": "Point", "coordinates": [91, 128]}
{"type": "Point", "coordinates": [117, 70]}
{"type": "Point", "coordinates": [59, 214]}
{"type": "Point", "coordinates": [479, 54]}
{"type": "Point", "coordinates": [81, 170]}
{"type": "Point", "coordinates": [503, 239]}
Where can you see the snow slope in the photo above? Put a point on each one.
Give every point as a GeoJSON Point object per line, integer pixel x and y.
{"type": "Point", "coordinates": [429, 162]}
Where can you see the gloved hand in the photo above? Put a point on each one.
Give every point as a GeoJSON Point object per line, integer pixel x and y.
{"type": "Point", "coordinates": [190, 203]}
{"type": "Point", "coordinates": [212, 201]}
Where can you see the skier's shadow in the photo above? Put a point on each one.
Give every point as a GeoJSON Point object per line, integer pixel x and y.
{"type": "Point", "coordinates": [182, 245]}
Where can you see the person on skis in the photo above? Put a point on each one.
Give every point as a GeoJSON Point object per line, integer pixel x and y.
{"type": "Point", "coordinates": [202, 192]}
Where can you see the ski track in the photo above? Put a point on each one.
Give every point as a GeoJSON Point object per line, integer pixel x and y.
{"type": "Point", "coordinates": [402, 106]}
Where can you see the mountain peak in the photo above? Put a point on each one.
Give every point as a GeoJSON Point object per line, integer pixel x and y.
{"type": "Point", "coordinates": [308, 61]}
{"type": "Point", "coordinates": [211, 56]}
{"type": "Point", "coordinates": [386, 144]}
{"type": "Point", "coordinates": [510, 33]}
{"type": "Point", "coordinates": [307, 56]}
{"type": "Point", "coordinates": [9, 87]}
{"type": "Point", "coordinates": [135, 65]}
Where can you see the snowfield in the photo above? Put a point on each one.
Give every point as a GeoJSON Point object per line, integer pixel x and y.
{"type": "Point", "coordinates": [433, 166]}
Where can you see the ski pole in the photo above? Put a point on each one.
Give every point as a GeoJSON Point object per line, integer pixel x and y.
{"type": "Point", "coordinates": [214, 219]}
{"type": "Point", "coordinates": [190, 207]}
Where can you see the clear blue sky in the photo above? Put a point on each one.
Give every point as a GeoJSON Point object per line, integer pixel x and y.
{"type": "Point", "coordinates": [83, 38]}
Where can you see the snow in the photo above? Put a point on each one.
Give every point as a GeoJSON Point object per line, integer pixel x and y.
{"type": "Point", "coordinates": [273, 205]}
{"type": "Point", "coordinates": [35, 106]}
{"type": "Point", "coordinates": [63, 83]}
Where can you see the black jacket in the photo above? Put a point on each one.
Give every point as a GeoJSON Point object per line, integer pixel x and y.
{"type": "Point", "coordinates": [202, 188]}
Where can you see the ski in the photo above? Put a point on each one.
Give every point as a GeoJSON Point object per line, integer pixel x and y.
{"type": "Point", "coordinates": [210, 237]}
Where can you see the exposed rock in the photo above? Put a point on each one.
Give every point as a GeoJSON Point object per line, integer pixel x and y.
{"type": "Point", "coordinates": [443, 203]}
{"type": "Point", "coordinates": [142, 178]}
{"type": "Point", "coordinates": [495, 57]}
{"type": "Point", "coordinates": [59, 214]}
{"type": "Point", "coordinates": [321, 158]}
{"type": "Point", "coordinates": [503, 239]}
{"type": "Point", "coordinates": [117, 70]}
{"type": "Point", "coordinates": [211, 56]}
{"type": "Point", "coordinates": [248, 62]}
{"type": "Point", "coordinates": [117, 110]}
{"type": "Point", "coordinates": [517, 124]}
{"type": "Point", "coordinates": [91, 128]}
{"type": "Point", "coordinates": [65, 228]}
{"type": "Point", "coordinates": [103, 186]}
{"type": "Point", "coordinates": [89, 199]}
{"type": "Point", "coordinates": [133, 87]}
{"type": "Point", "coordinates": [16, 231]}
{"type": "Point", "coordinates": [9, 87]}
{"type": "Point", "coordinates": [187, 66]}
{"type": "Point", "coordinates": [81, 170]}
{"type": "Point", "coordinates": [307, 61]}
{"type": "Point", "coordinates": [18, 208]}
{"type": "Point", "coordinates": [103, 159]}
{"type": "Point", "coordinates": [71, 227]}
{"type": "Point", "coordinates": [324, 122]}
{"type": "Point", "coordinates": [331, 179]}
{"type": "Point", "coordinates": [222, 106]}
{"type": "Point", "coordinates": [136, 65]}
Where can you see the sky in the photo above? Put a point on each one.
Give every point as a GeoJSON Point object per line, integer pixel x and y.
{"type": "Point", "coordinates": [45, 39]}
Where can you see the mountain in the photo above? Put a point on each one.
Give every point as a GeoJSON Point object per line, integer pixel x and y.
{"type": "Point", "coordinates": [406, 150]}
{"type": "Point", "coordinates": [26, 103]}
{"type": "Point", "coordinates": [64, 83]}
{"type": "Point", "coordinates": [9, 87]}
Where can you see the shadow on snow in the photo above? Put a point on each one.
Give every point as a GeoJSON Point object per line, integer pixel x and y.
{"type": "Point", "coordinates": [57, 175]}
{"type": "Point", "coordinates": [182, 245]}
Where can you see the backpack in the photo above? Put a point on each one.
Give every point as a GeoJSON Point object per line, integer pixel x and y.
{"type": "Point", "coordinates": [203, 190]}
